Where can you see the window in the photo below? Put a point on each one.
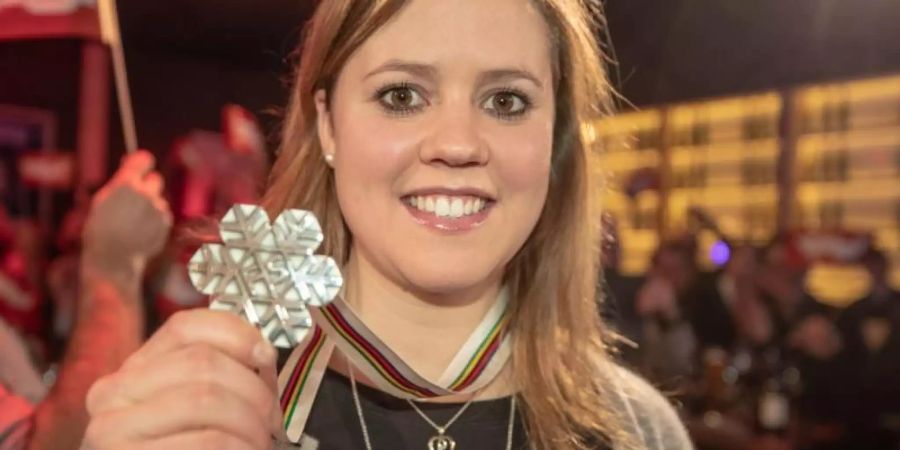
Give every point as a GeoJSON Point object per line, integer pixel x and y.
{"type": "Point", "coordinates": [697, 175]}
{"type": "Point", "coordinates": [756, 172]}
{"type": "Point", "coordinates": [835, 166]}
{"type": "Point", "coordinates": [646, 139]}
{"type": "Point", "coordinates": [695, 135]}
{"type": "Point", "coordinates": [700, 134]}
{"type": "Point", "coordinates": [836, 117]}
{"type": "Point", "coordinates": [759, 127]}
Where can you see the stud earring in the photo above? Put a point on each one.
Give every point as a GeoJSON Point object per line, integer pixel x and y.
{"type": "Point", "coordinates": [329, 158]}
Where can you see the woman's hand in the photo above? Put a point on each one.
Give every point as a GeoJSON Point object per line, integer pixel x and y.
{"type": "Point", "coordinates": [206, 379]}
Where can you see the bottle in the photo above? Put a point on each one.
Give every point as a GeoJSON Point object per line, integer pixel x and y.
{"type": "Point", "coordinates": [773, 400]}
{"type": "Point", "coordinates": [773, 409]}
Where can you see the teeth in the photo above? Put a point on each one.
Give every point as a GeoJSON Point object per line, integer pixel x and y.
{"type": "Point", "coordinates": [456, 207]}
{"type": "Point", "coordinates": [446, 206]}
{"type": "Point", "coordinates": [442, 207]}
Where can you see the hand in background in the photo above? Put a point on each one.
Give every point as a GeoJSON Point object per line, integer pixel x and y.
{"type": "Point", "coordinates": [129, 220]}
{"type": "Point", "coordinates": [128, 223]}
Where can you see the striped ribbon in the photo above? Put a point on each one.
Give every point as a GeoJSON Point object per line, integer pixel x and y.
{"type": "Point", "coordinates": [476, 364]}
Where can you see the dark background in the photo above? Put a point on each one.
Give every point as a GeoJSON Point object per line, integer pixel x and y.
{"type": "Point", "coordinates": [188, 57]}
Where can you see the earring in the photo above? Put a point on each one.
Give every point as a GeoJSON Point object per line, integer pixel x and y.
{"type": "Point", "coordinates": [329, 158]}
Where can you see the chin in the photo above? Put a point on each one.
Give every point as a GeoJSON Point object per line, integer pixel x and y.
{"type": "Point", "coordinates": [449, 279]}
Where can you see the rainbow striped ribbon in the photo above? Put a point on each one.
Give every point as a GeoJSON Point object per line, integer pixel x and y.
{"type": "Point", "coordinates": [476, 364]}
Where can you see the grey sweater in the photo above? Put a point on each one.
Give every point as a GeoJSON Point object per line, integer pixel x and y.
{"type": "Point", "coordinates": [654, 424]}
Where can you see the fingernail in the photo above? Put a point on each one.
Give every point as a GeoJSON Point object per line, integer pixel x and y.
{"type": "Point", "coordinates": [264, 354]}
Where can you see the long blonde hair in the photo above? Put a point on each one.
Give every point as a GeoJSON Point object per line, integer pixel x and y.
{"type": "Point", "coordinates": [560, 357]}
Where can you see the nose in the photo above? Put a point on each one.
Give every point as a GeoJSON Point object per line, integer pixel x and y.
{"type": "Point", "coordinates": [455, 140]}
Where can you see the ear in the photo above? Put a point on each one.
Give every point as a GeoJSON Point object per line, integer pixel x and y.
{"type": "Point", "coordinates": [323, 124]}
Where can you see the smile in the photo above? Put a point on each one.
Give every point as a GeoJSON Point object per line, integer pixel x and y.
{"type": "Point", "coordinates": [453, 207]}
{"type": "Point", "coordinates": [456, 213]}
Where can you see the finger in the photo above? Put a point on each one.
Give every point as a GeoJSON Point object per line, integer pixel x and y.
{"type": "Point", "coordinates": [197, 439]}
{"type": "Point", "coordinates": [269, 376]}
{"type": "Point", "coordinates": [154, 183]}
{"type": "Point", "coordinates": [135, 166]}
{"type": "Point", "coordinates": [162, 205]}
{"type": "Point", "coordinates": [221, 330]}
{"type": "Point", "coordinates": [198, 363]}
{"type": "Point", "coordinates": [188, 407]}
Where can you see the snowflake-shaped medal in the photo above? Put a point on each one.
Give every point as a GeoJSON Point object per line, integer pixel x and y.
{"type": "Point", "coordinates": [266, 272]}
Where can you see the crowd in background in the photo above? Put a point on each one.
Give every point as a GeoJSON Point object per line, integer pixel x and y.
{"type": "Point", "coordinates": [755, 359]}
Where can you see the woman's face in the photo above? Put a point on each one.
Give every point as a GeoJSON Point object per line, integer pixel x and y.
{"type": "Point", "coordinates": [441, 128]}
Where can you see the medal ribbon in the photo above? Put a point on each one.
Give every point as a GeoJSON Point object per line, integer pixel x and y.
{"type": "Point", "coordinates": [336, 326]}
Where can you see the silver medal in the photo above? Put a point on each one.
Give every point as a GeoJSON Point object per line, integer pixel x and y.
{"type": "Point", "coordinates": [267, 272]}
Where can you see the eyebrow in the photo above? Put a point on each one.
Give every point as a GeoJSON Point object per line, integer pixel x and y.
{"type": "Point", "coordinates": [429, 71]}
{"type": "Point", "coordinates": [496, 75]}
{"type": "Point", "coordinates": [394, 65]}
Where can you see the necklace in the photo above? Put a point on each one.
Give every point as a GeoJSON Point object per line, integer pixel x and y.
{"type": "Point", "coordinates": [337, 330]}
{"type": "Point", "coordinates": [441, 441]}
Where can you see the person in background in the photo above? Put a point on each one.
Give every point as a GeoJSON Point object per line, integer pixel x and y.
{"type": "Point", "coordinates": [109, 315]}
{"type": "Point", "coordinates": [870, 329]}
{"type": "Point", "coordinates": [15, 415]}
{"type": "Point", "coordinates": [813, 345]}
{"type": "Point", "coordinates": [669, 343]}
{"type": "Point", "coordinates": [780, 283]}
{"type": "Point", "coordinates": [714, 300]}
{"type": "Point", "coordinates": [20, 299]}
{"type": "Point", "coordinates": [17, 373]}
{"type": "Point", "coordinates": [738, 287]}
{"type": "Point", "coordinates": [21, 387]}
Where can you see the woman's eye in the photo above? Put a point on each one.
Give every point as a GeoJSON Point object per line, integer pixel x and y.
{"type": "Point", "coordinates": [401, 98]}
{"type": "Point", "coordinates": [506, 104]}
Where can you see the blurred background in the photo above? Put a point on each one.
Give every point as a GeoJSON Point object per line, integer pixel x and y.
{"type": "Point", "coordinates": [752, 199]}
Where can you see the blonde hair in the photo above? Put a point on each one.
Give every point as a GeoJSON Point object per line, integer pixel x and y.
{"type": "Point", "coordinates": [560, 359]}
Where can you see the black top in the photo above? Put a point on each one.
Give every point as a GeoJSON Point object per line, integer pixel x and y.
{"type": "Point", "coordinates": [394, 425]}
{"type": "Point", "coordinates": [648, 418]}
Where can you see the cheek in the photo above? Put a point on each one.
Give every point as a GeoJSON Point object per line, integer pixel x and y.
{"type": "Point", "coordinates": [371, 153]}
{"type": "Point", "coordinates": [522, 156]}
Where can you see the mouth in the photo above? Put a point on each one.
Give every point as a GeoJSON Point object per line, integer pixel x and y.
{"type": "Point", "coordinates": [453, 212]}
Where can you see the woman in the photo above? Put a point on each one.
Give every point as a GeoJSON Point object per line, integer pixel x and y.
{"type": "Point", "coordinates": [439, 144]}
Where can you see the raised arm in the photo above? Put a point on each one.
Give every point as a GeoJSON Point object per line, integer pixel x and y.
{"type": "Point", "coordinates": [128, 224]}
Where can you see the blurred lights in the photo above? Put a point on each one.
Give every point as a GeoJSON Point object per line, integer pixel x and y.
{"type": "Point", "coordinates": [719, 253]}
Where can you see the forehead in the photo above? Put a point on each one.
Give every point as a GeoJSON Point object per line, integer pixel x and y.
{"type": "Point", "coordinates": [450, 33]}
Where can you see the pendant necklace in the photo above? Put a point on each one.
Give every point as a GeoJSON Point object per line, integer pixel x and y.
{"type": "Point", "coordinates": [442, 440]}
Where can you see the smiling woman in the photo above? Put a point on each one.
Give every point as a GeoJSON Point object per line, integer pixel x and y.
{"type": "Point", "coordinates": [439, 144]}
{"type": "Point", "coordinates": [456, 167]}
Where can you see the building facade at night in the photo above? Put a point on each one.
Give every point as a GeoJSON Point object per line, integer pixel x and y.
{"type": "Point", "coordinates": [822, 157]}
